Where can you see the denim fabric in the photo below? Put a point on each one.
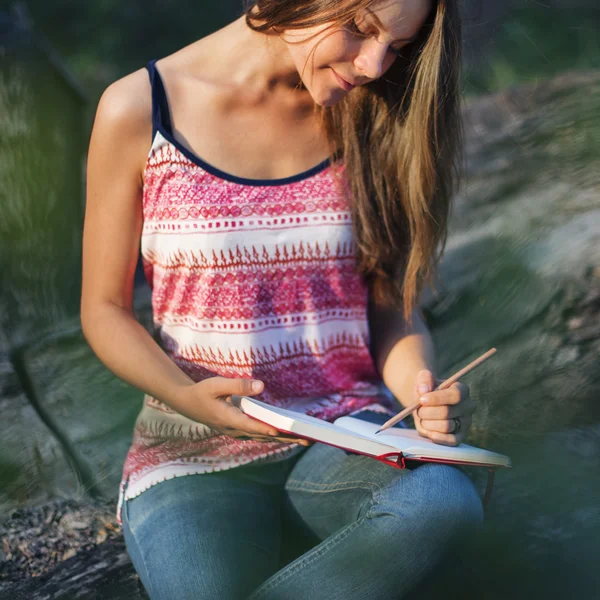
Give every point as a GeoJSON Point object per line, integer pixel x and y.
{"type": "Point", "coordinates": [365, 530]}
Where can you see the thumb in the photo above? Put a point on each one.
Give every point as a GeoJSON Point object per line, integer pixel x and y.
{"type": "Point", "coordinates": [425, 382]}
{"type": "Point", "coordinates": [223, 386]}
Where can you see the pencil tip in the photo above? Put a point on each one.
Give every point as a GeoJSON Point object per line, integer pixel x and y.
{"type": "Point", "coordinates": [377, 431]}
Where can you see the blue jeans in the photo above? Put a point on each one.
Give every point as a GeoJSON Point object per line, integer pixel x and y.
{"type": "Point", "coordinates": [367, 530]}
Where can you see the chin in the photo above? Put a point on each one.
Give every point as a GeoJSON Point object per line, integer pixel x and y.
{"type": "Point", "coordinates": [327, 98]}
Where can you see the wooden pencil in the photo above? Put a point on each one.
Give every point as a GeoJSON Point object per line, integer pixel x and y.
{"type": "Point", "coordinates": [446, 383]}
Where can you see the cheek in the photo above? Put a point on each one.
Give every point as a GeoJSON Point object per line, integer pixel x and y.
{"type": "Point", "coordinates": [330, 48]}
{"type": "Point", "coordinates": [338, 49]}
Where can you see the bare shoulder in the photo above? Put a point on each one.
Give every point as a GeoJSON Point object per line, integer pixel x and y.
{"type": "Point", "coordinates": [127, 103]}
{"type": "Point", "coordinates": [123, 121]}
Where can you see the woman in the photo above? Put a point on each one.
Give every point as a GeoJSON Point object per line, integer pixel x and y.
{"type": "Point", "coordinates": [289, 179]}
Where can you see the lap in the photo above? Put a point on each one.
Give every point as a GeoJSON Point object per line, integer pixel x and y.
{"type": "Point", "coordinates": [212, 535]}
{"type": "Point", "coordinates": [220, 534]}
{"type": "Point", "coordinates": [328, 488]}
{"type": "Point", "coordinates": [358, 510]}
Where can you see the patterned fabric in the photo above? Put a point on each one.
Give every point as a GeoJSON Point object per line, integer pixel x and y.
{"type": "Point", "coordinates": [252, 279]}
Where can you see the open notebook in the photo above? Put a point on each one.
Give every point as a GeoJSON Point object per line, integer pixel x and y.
{"type": "Point", "coordinates": [356, 433]}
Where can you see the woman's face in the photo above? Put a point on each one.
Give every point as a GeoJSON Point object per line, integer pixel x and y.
{"type": "Point", "coordinates": [333, 60]}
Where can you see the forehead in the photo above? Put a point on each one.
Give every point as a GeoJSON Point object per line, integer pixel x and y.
{"type": "Point", "coordinates": [401, 18]}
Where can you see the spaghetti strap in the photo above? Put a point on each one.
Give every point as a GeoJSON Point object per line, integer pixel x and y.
{"type": "Point", "coordinates": [161, 117]}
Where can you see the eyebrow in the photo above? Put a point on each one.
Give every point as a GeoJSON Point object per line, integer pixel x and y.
{"type": "Point", "coordinates": [380, 25]}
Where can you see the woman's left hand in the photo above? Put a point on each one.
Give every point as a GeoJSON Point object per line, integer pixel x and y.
{"type": "Point", "coordinates": [444, 416]}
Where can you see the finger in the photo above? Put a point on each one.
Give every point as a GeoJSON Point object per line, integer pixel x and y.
{"type": "Point", "coordinates": [300, 441]}
{"type": "Point", "coordinates": [288, 437]}
{"type": "Point", "coordinates": [441, 426]}
{"type": "Point", "coordinates": [425, 382]}
{"type": "Point", "coordinates": [224, 386]}
{"type": "Point", "coordinates": [238, 434]}
{"type": "Point", "coordinates": [452, 395]}
{"type": "Point", "coordinates": [231, 417]}
{"type": "Point", "coordinates": [421, 431]}
{"type": "Point", "coordinates": [463, 389]}
{"type": "Point", "coordinates": [451, 438]}
{"type": "Point", "coordinates": [236, 419]}
{"type": "Point", "coordinates": [464, 409]}
{"type": "Point", "coordinates": [244, 435]}
{"type": "Point", "coordinates": [444, 439]}
{"type": "Point", "coordinates": [465, 425]}
{"type": "Point", "coordinates": [282, 437]}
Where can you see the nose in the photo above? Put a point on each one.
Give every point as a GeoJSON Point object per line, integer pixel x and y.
{"type": "Point", "coordinates": [371, 58]}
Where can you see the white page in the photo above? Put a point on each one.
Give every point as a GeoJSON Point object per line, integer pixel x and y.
{"type": "Point", "coordinates": [305, 425]}
{"type": "Point", "coordinates": [414, 445]}
{"type": "Point", "coordinates": [355, 434]}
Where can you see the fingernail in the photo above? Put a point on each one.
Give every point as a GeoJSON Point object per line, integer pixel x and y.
{"type": "Point", "coordinates": [423, 388]}
{"type": "Point", "coordinates": [423, 399]}
{"type": "Point", "coordinates": [256, 386]}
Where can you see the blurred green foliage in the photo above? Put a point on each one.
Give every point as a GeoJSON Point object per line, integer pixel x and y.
{"type": "Point", "coordinates": [104, 40]}
{"type": "Point", "coordinates": [41, 150]}
{"type": "Point", "coordinates": [537, 41]}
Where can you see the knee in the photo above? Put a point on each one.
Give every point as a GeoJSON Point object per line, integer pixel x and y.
{"type": "Point", "coordinates": [438, 501]}
{"type": "Point", "coordinates": [449, 498]}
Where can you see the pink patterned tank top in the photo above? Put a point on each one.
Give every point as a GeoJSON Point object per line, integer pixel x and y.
{"type": "Point", "coordinates": [249, 278]}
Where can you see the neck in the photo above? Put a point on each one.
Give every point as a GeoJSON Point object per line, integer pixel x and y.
{"type": "Point", "coordinates": [258, 62]}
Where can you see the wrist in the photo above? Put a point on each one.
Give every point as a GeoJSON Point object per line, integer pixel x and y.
{"type": "Point", "coordinates": [181, 395]}
{"type": "Point", "coordinates": [402, 383]}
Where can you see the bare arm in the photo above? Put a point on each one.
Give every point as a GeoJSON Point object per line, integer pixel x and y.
{"type": "Point", "coordinates": [113, 223]}
{"type": "Point", "coordinates": [405, 358]}
{"type": "Point", "coordinates": [400, 351]}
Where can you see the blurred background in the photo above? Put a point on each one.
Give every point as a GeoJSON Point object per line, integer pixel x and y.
{"type": "Point", "coordinates": [521, 272]}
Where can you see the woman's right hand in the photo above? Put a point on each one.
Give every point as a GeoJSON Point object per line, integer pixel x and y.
{"type": "Point", "coordinates": [209, 402]}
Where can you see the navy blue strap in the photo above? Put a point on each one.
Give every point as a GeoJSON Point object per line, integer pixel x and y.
{"type": "Point", "coordinates": [160, 106]}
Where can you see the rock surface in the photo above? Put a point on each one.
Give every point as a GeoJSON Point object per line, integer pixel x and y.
{"type": "Point", "coordinates": [33, 465]}
{"type": "Point", "coordinates": [102, 572]}
{"type": "Point", "coordinates": [35, 540]}
{"type": "Point", "coordinates": [41, 151]}
{"type": "Point", "coordinates": [522, 273]}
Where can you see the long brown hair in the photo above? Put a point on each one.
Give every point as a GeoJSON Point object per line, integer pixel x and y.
{"type": "Point", "coordinates": [401, 140]}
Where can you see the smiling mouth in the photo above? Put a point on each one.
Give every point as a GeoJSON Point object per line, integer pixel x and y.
{"type": "Point", "coordinates": [343, 83]}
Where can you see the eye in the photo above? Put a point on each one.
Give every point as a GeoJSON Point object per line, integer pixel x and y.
{"type": "Point", "coordinates": [352, 27]}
